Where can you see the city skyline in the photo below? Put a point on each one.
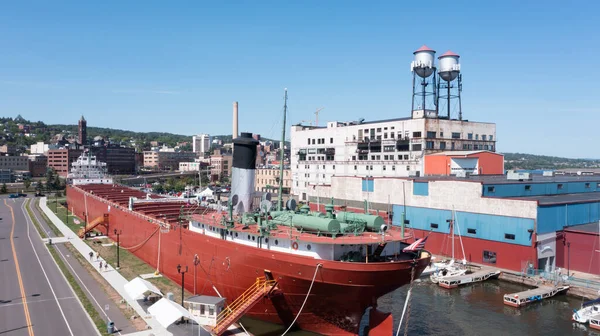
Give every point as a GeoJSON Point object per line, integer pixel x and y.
{"type": "Point", "coordinates": [173, 69]}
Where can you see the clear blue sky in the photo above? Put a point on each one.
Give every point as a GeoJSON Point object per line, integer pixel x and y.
{"type": "Point", "coordinates": [178, 66]}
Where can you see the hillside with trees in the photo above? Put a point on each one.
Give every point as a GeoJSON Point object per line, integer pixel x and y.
{"type": "Point", "coordinates": [531, 161]}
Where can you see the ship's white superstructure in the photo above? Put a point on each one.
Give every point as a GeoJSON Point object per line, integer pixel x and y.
{"type": "Point", "coordinates": [88, 170]}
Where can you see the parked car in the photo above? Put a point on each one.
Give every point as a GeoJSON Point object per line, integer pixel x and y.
{"type": "Point", "coordinates": [13, 196]}
{"type": "Point", "coordinates": [21, 195]}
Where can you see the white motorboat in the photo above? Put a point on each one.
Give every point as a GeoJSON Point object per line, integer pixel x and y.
{"type": "Point", "coordinates": [587, 310]}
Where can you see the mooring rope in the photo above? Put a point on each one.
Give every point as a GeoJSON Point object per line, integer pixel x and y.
{"type": "Point", "coordinates": [305, 299]}
{"type": "Point", "coordinates": [142, 243]}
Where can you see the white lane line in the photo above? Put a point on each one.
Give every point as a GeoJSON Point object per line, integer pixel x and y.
{"type": "Point", "coordinates": [100, 308]}
{"type": "Point", "coordinates": [29, 223]}
{"type": "Point", "coordinates": [37, 301]}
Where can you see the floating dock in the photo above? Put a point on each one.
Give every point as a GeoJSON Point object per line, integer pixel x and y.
{"type": "Point", "coordinates": [532, 295]}
{"type": "Point", "coordinates": [455, 281]}
{"type": "Point", "coordinates": [595, 322]}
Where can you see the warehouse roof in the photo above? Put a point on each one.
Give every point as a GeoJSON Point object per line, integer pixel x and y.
{"type": "Point", "coordinates": [564, 198]}
{"type": "Point", "coordinates": [590, 227]}
{"type": "Point", "coordinates": [501, 179]}
{"type": "Point", "coordinates": [464, 153]}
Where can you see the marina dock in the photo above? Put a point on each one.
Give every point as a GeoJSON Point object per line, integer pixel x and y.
{"type": "Point", "coordinates": [455, 281]}
{"type": "Point", "coordinates": [532, 295]}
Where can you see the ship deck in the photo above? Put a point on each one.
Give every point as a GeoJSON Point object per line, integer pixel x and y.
{"type": "Point", "coordinates": [171, 211]}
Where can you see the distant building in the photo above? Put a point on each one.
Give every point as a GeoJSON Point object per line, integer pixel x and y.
{"type": "Point", "coordinates": [6, 175]}
{"type": "Point", "coordinates": [118, 159]}
{"type": "Point", "coordinates": [220, 164]}
{"type": "Point", "coordinates": [166, 160]}
{"type": "Point", "coordinates": [39, 148]}
{"type": "Point", "coordinates": [61, 159]}
{"type": "Point", "coordinates": [139, 161]}
{"type": "Point", "coordinates": [267, 180]}
{"type": "Point", "coordinates": [38, 164]}
{"type": "Point", "coordinates": [82, 131]}
{"type": "Point", "coordinates": [463, 163]}
{"type": "Point", "coordinates": [8, 149]}
{"type": "Point", "coordinates": [201, 143]}
{"type": "Point", "coordinates": [14, 163]}
{"type": "Point", "coordinates": [192, 166]}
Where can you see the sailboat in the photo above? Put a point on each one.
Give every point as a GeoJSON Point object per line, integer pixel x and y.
{"type": "Point", "coordinates": [441, 270]}
{"type": "Point", "coordinates": [589, 308]}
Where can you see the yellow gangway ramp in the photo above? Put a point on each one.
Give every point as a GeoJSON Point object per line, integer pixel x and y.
{"type": "Point", "coordinates": [92, 225]}
{"type": "Point", "coordinates": [242, 304]}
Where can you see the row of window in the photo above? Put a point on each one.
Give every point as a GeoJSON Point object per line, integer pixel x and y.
{"type": "Point", "coordinates": [319, 141]}
{"type": "Point", "coordinates": [559, 186]}
{"type": "Point", "coordinates": [508, 236]}
{"type": "Point", "coordinates": [378, 157]}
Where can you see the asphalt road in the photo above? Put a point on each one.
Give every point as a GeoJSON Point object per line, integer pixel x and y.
{"type": "Point", "coordinates": [90, 286]}
{"type": "Point", "coordinates": [35, 298]}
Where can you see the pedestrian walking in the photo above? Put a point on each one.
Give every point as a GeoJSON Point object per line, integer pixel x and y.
{"type": "Point", "coordinates": [100, 266]}
{"type": "Point", "coordinates": [105, 266]}
{"type": "Point", "coordinates": [91, 255]}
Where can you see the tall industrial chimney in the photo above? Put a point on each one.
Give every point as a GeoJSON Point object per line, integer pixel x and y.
{"type": "Point", "coordinates": [235, 120]}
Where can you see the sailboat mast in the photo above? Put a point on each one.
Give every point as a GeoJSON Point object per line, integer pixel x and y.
{"type": "Point", "coordinates": [452, 228]}
{"type": "Point", "coordinates": [281, 156]}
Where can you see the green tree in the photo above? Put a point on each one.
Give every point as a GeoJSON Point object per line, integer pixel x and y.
{"type": "Point", "coordinates": [38, 186]}
{"type": "Point", "coordinates": [27, 183]}
{"type": "Point", "coordinates": [3, 189]}
{"type": "Point", "coordinates": [158, 188]}
{"type": "Point", "coordinates": [57, 183]}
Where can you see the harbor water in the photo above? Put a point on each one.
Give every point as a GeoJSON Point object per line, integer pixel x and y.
{"type": "Point", "coordinates": [475, 309]}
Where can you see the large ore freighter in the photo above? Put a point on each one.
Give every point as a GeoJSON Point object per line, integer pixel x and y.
{"type": "Point", "coordinates": [350, 259]}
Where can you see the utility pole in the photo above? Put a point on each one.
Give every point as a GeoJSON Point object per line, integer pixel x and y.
{"type": "Point", "coordinates": [281, 157]}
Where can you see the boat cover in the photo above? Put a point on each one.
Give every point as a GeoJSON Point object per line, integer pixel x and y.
{"type": "Point", "coordinates": [593, 302]}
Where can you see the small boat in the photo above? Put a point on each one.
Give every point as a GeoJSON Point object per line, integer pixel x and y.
{"type": "Point", "coordinates": [587, 310]}
{"type": "Point", "coordinates": [451, 268]}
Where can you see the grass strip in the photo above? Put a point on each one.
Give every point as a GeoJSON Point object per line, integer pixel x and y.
{"type": "Point", "coordinates": [34, 221]}
{"type": "Point", "coordinates": [53, 227]}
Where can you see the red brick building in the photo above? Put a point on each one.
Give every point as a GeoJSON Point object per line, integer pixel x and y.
{"type": "Point", "coordinates": [61, 159]}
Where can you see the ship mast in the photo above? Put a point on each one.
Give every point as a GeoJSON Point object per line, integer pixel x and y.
{"type": "Point", "coordinates": [282, 145]}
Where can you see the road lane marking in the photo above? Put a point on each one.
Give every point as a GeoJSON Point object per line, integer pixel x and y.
{"type": "Point", "coordinates": [29, 223]}
{"type": "Point", "coordinates": [100, 308]}
{"type": "Point", "coordinates": [19, 278]}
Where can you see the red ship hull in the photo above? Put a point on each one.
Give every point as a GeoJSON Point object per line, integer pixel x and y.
{"type": "Point", "coordinates": [340, 295]}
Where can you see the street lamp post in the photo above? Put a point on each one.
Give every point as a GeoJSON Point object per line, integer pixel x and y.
{"type": "Point", "coordinates": [118, 233]}
{"type": "Point", "coordinates": [196, 262]}
{"type": "Point", "coordinates": [182, 272]}
{"type": "Point", "coordinates": [568, 259]}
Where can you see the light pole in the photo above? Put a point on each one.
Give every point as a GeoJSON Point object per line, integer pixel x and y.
{"type": "Point", "coordinates": [118, 233]}
{"type": "Point", "coordinates": [196, 262]}
{"type": "Point", "coordinates": [180, 271]}
{"type": "Point", "coordinates": [568, 259]}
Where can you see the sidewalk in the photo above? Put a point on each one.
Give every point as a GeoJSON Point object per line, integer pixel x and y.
{"type": "Point", "coordinates": [114, 278]}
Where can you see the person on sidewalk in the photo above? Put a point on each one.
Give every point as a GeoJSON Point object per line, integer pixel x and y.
{"type": "Point", "coordinates": [105, 266]}
{"type": "Point", "coordinates": [91, 255]}
{"type": "Point", "coordinates": [100, 266]}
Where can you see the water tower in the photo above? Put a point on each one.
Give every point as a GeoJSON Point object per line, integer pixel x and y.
{"type": "Point", "coordinates": [449, 82]}
{"type": "Point", "coordinates": [423, 66]}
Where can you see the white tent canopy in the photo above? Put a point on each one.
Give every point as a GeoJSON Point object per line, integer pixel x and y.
{"type": "Point", "coordinates": [206, 193]}
{"type": "Point", "coordinates": [166, 312]}
{"type": "Point", "coordinates": [138, 286]}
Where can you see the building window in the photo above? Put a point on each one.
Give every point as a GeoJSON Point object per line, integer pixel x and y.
{"type": "Point", "coordinates": [476, 136]}
{"type": "Point", "coordinates": [483, 137]}
{"type": "Point", "coordinates": [489, 257]}
{"type": "Point", "coordinates": [470, 136]}
{"type": "Point", "coordinates": [509, 236]}
{"type": "Point", "coordinates": [330, 140]}
{"type": "Point", "coordinates": [443, 145]}
{"type": "Point", "coordinates": [431, 135]}
{"type": "Point", "coordinates": [587, 185]}
{"type": "Point", "coordinates": [472, 231]}
{"type": "Point", "coordinates": [394, 168]}
{"type": "Point", "coordinates": [378, 129]}
{"type": "Point", "coordinates": [527, 187]}
{"type": "Point", "coordinates": [455, 135]}
{"type": "Point", "coordinates": [433, 225]}
{"type": "Point", "coordinates": [491, 137]}
{"type": "Point", "coordinates": [441, 134]}
{"type": "Point", "coordinates": [491, 189]}
{"type": "Point", "coordinates": [417, 147]}
{"type": "Point", "coordinates": [560, 186]}
{"type": "Point", "coordinates": [416, 134]}
{"type": "Point", "coordinates": [354, 167]}
{"type": "Point", "coordinates": [383, 167]}
{"type": "Point", "coordinates": [429, 145]}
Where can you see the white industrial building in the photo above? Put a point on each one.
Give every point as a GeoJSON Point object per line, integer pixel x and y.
{"type": "Point", "coordinates": [201, 143]}
{"type": "Point", "coordinates": [394, 147]}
